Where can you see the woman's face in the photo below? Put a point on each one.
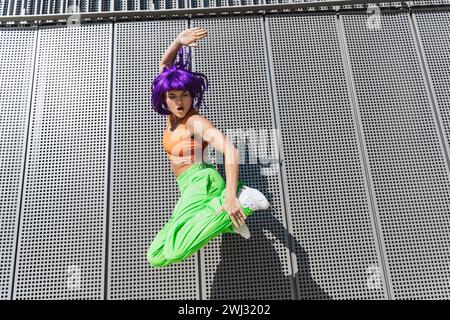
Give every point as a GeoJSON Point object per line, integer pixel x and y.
{"type": "Point", "coordinates": [179, 102]}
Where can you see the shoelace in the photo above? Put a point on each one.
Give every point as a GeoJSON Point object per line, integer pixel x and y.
{"type": "Point", "coordinates": [249, 204]}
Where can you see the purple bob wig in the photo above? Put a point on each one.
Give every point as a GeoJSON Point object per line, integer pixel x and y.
{"type": "Point", "coordinates": [178, 77]}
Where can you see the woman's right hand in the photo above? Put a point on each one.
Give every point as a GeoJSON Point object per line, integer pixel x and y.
{"type": "Point", "coordinates": [189, 36]}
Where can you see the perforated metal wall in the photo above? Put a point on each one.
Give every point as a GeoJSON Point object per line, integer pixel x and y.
{"type": "Point", "coordinates": [144, 191]}
{"type": "Point", "coordinates": [61, 240]}
{"type": "Point", "coordinates": [327, 197]}
{"type": "Point", "coordinates": [240, 103]}
{"type": "Point", "coordinates": [407, 168]}
{"type": "Point", "coordinates": [16, 76]}
{"type": "Point", "coordinates": [360, 196]}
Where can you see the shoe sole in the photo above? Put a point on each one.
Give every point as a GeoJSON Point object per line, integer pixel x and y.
{"type": "Point", "coordinates": [245, 236]}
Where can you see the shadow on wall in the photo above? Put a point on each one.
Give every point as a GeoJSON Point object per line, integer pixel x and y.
{"type": "Point", "coordinates": [253, 269]}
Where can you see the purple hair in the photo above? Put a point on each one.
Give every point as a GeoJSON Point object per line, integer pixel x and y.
{"type": "Point", "coordinates": [178, 77]}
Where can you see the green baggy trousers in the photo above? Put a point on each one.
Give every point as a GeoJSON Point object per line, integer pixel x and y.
{"type": "Point", "coordinates": [193, 222]}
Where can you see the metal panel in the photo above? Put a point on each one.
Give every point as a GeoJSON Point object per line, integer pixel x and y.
{"type": "Point", "coordinates": [327, 194]}
{"type": "Point", "coordinates": [144, 190]}
{"type": "Point", "coordinates": [233, 56]}
{"type": "Point", "coordinates": [16, 75]}
{"type": "Point", "coordinates": [61, 248]}
{"type": "Point", "coordinates": [405, 156]}
{"type": "Point", "coordinates": [433, 30]}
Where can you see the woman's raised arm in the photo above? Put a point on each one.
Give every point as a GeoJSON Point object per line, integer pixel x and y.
{"type": "Point", "coordinates": [186, 38]}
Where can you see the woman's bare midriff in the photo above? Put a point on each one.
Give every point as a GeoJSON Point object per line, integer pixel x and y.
{"type": "Point", "coordinates": [179, 168]}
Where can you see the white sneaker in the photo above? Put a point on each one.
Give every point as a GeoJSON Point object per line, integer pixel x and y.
{"type": "Point", "coordinates": [253, 199]}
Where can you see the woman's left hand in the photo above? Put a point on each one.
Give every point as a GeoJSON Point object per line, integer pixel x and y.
{"type": "Point", "coordinates": [189, 37]}
{"type": "Point", "coordinates": [232, 206]}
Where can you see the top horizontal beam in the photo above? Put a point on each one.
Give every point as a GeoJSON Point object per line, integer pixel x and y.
{"type": "Point", "coordinates": [132, 15]}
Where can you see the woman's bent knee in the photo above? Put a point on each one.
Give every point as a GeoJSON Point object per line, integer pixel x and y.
{"type": "Point", "coordinates": [156, 260]}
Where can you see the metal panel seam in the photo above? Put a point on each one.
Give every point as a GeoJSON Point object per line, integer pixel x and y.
{"type": "Point", "coordinates": [366, 172]}
{"type": "Point", "coordinates": [108, 221]}
{"type": "Point", "coordinates": [199, 254]}
{"type": "Point", "coordinates": [24, 169]}
{"type": "Point", "coordinates": [281, 168]}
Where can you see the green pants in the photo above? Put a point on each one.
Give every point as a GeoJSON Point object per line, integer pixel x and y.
{"type": "Point", "coordinates": [193, 222]}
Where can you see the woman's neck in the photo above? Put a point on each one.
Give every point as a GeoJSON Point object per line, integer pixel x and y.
{"type": "Point", "coordinates": [175, 120]}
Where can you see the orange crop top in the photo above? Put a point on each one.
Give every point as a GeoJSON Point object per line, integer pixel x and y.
{"type": "Point", "coordinates": [179, 146]}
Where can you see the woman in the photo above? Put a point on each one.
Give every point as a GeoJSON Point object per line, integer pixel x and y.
{"type": "Point", "coordinates": [207, 206]}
